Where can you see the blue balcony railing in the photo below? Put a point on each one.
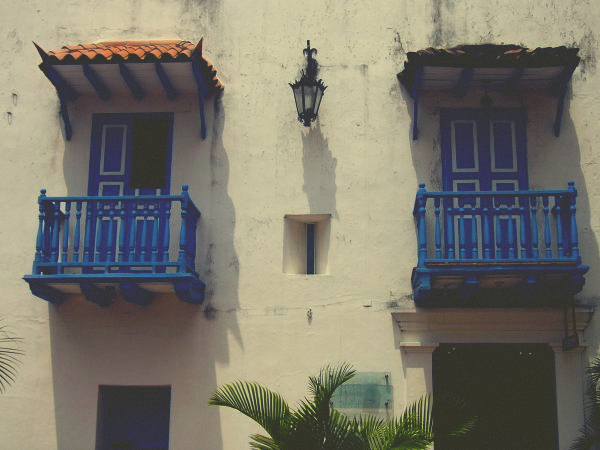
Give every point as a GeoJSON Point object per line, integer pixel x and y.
{"type": "Point", "coordinates": [518, 238]}
{"type": "Point", "coordinates": [127, 241]}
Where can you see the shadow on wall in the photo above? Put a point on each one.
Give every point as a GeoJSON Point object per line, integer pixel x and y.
{"type": "Point", "coordinates": [319, 172]}
{"type": "Point", "coordinates": [169, 342]}
{"type": "Point", "coordinates": [560, 160]}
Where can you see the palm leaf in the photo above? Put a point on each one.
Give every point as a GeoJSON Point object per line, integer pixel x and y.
{"type": "Point", "coordinates": [260, 442]}
{"type": "Point", "coordinates": [459, 417]}
{"type": "Point", "coordinates": [265, 407]}
{"type": "Point", "coordinates": [371, 431]}
{"type": "Point", "coordinates": [593, 382]}
{"type": "Point", "coordinates": [10, 352]}
{"type": "Point", "coordinates": [317, 425]}
{"type": "Point", "coordinates": [330, 378]}
{"type": "Point", "coordinates": [589, 437]}
{"type": "Point", "coordinates": [589, 433]}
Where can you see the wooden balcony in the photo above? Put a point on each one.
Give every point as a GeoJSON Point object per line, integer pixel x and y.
{"type": "Point", "coordinates": [138, 245]}
{"type": "Point", "coordinates": [497, 249]}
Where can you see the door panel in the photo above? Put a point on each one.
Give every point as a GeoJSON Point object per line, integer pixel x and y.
{"type": "Point", "coordinates": [130, 155]}
{"type": "Point", "coordinates": [132, 150]}
{"type": "Point", "coordinates": [484, 151]}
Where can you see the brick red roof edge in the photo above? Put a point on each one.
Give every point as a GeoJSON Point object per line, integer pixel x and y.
{"type": "Point", "coordinates": [150, 51]}
{"type": "Point", "coordinates": [487, 56]}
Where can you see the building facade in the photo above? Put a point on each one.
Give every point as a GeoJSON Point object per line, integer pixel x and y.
{"type": "Point", "coordinates": [261, 249]}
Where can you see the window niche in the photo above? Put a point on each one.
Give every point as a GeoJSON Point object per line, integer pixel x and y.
{"type": "Point", "coordinates": [306, 244]}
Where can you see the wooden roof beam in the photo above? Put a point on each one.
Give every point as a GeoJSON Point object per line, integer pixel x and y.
{"type": "Point", "coordinates": [101, 89]}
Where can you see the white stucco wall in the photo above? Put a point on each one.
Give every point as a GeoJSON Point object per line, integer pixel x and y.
{"type": "Point", "coordinates": [357, 163]}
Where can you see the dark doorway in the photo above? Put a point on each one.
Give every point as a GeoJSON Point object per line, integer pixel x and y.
{"type": "Point", "coordinates": [511, 388]}
{"type": "Point", "coordinates": [133, 417]}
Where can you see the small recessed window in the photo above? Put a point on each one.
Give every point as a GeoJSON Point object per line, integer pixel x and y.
{"type": "Point", "coordinates": [133, 417]}
{"type": "Point", "coordinates": [306, 243]}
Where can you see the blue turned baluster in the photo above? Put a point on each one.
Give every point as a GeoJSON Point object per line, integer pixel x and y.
{"type": "Point", "coordinates": [535, 253]}
{"type": "Point", "coordinates": [183, 231]}
{"type": "Point", "coordinates": [559, 226]}
{"type": "Point", "coordinates": [497, 211]}
{"type": "Point", "coordinates": [88, 238]}
{"type": "Point", "coordinates": [511, 234]}
{"type": "Point", "coordinates": [39, 242]}
{"type": "Point", "coordinates": [547, 232]}
{"type": "Point", "coordinates": [449, 219]}
{"type": "Point", "coordinates": [461, 232]}
{"type": "Point", "coordinates": [155, 233]}
{"type": "Point", "coordinates": [523, 201]}
{"type": "Point", "coordinates": [487, 251]}
{"type": "Point", "coordinates": [438, 231]}
{"type": "Point", "coordinates": [99, 240]}
{"type": "Point", "coordinates": [573, 210]}
{"type": "Point", "coordinates": [77, 236]}
{"type": "Point", "coordinates": [112, 223]}
{"type": "Point", "coordinates": [55, 233]}
{"type": "Point", "coordinates": [123, 230]}
{"type": "Point", "coordinates": [474, 235]}
{"type": "Point", "coordinates": [167, 236]}
{"type": "Point", "coordinates": [132, 225]}
{"type": "Point", "coordinates": [65, 249]}
{"type": "Point", "coordinates": [144, 232]}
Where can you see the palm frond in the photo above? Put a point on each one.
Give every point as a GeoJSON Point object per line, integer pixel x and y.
{"type": "Point", "coordinates": [404, 435]}
{"type": "Point", "coordinates": [316, 425]}
{"type": "Point", "coordinates": [330, 378]}
{"type": "Point", "coordinates": [264, 406]}
{"type": "Point", "coordinates": [260, 442]}
{"type": "Point", "coordinates": [589, 437]}
{"type": "Point", "coordinates": [593, 381]}
{"type": "Point", "coordinates": [371, 430]}
{"type": "Point", "coordinates": [10, 353]}
{"type": "Point", "coordinates": [459, 417]}
{"type": "Point", "coordinates": [589, 433]}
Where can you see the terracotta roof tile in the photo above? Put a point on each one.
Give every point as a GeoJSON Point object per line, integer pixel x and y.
{"type": "Point", "coordinates": [491, 55]}
{"type": "Point", "coordinates": [487, 56]}
{"type": "Point", "coordinates": [132, 52]}
{"type": "Point", "coordinates": [121, 51]}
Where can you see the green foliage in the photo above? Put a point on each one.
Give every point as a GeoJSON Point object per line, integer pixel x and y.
{"type": "Point", "coordinates": [316, 425]}
{"type": "Point", "coordinates": [589, 434]}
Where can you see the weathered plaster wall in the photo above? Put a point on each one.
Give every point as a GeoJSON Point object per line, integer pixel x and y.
{"type": "Point", "coordinates": [358, 163]}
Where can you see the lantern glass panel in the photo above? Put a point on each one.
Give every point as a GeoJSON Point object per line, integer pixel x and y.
{"type": "Point", "coordinates": [319, 97]}
{"type": "Point", "coordinates": [298, 98]}
{"type": "Point", "coordinates": [309, 97]}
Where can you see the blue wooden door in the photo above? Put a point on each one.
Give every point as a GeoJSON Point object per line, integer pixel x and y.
{"type": "Point", "coordinates": [484, 151]}
{"type": "Point", "coordinates": [130, 155]}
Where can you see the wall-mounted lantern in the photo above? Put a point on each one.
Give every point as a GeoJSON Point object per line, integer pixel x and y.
{"type": "Point", "coordinates": [308, 92]}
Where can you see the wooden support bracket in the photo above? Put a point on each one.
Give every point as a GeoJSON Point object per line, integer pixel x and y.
{"type": "Point", "coordinates": [132, 83]}
{"type": "Point", "coordinates": [96, 82]}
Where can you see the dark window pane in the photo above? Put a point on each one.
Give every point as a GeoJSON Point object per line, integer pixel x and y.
{"type": "Point", "coordinates": [149, 153]}
{"type": "Point", "coordinates": [310, 248]}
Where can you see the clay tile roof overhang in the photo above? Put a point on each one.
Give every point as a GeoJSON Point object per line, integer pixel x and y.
{"type": "Point", "coordinates": [137, 56]}
{"type": "Point", "coordinates": [502, 65]}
